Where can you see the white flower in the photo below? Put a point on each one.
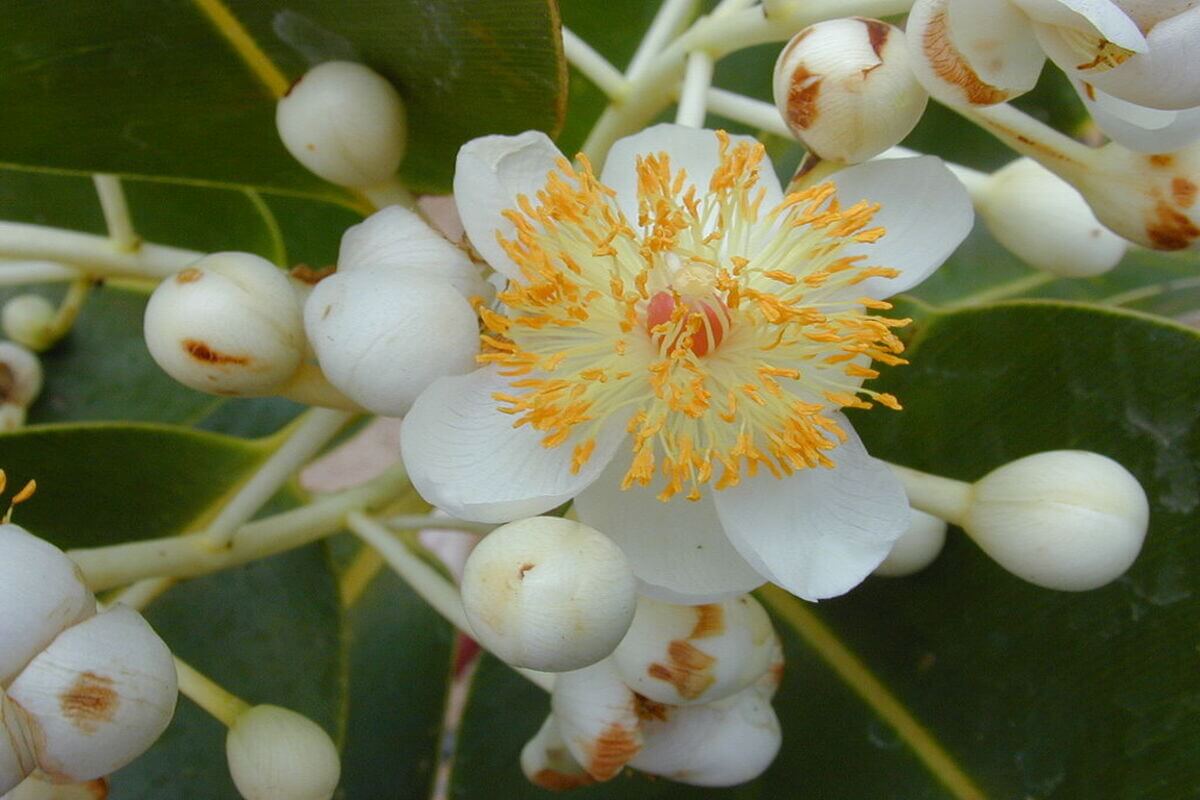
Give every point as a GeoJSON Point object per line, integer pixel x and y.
{"type": "Point", "coordinates": [683, 313]}
{"type": "Point", "coordinates": [1130, 60]}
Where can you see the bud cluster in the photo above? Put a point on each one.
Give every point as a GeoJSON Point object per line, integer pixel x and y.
{"type": "Point", "coordinates": [20, 384]}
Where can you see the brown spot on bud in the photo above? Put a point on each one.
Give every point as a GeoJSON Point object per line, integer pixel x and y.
{"type": "Point", "coordinates": [524, 568]}
{"type": "Point", "coordinates": [1184, 192]}
{"type": "Point", "coordinates": [688, 669]}
{"type": "Point", "coordinates": [8, 382]}
{"type": "Point", "coordinates": [611, 751]}
{"type": "Point", "coordinates": [950, 65]}
{"type": "Point", "coordinates": [710, 621]}
{"type": "Point", "coordinates": [1168, 229]}
{"type": "Point", "coordinates": [311, 275]}
{"type": "Point", "coordinates": [189, 275]}
{"type": "Point", "coordinates": [647, 709]}
{"type": "Point", "coordinates": [556, 781]}
{"type": "Point", "coordinates": [1161, 160]}
{"type": "Point", "coordinates": [90, 702]}
{"type": "Point", "coordinates": [1090, 91]}
{"type": "Point", "coordinates": [802, 98]}
{"type": "Point", "coordinates": [202, 352]}
{"type": "Point", "coordinates": [877, 32]}
{"type": "Point", "coordinates": [97, 789]}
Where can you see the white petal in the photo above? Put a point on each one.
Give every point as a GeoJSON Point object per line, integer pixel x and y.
{"type": "Point", "coordinates": [464, 456]}
{"type": "Point", "coordinates": [1148, 13]}
{"type": "Point", "coordinates": [1163, 77]}
{"type": "Point", "coordinates": [490, 173]}
{"type": "Point", "coordinates": [597, 719]}
{"type": "Point", "coordinates": [677, 549]}
{"type": "Point", "coordinates": [1101, 16]}
{"type": "Point", "coordinates": [693, 149]}
{"type": "Point", "coordinates": [819, 532]}
{"type": "Point", "coordinates": [398, 239]}
{"type": "Point", "coordinates": [1147, 130]}
{"type": "Point", "coordinates": [925, 209]}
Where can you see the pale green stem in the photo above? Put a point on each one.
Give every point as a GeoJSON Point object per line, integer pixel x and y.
{"type": "Point", "coordinates": [1055, 151]}
{"type": "Point", "coordinates": [310, 387]}
{"type": "Point", "coordinates": [190, 556]}
{"type": "Point", "coordinates": [116, 213]}
{"type": "Point", "coordinates": [18, 273]}
{"type": "Point", "coordinates": [306, 437]}
{"type": "Point", "coordinates": [593, 65]}
{"type": "Point", "coordinates": [143, 593]}
{"type": "Point", "coordinates": [426, 581]}
{"type": "Point", "coordinates": [697, 78]}
{"type": "Point", "coordinates": [225, 706]}
{"type": "Point", "coordinates": [68, 311]}
{"type": "Point", "coordinates": [942, 497]}
{"type": "Point", "coordinates": [668, 20]}
{"type": "Point", "coordinates": [92, 254]}
{"type": "Point", "coordinates": [389, 193]}
{"type": "Point", "coordinates": [747, 110]}
{"type": "Point", "coordinates": [416, 522]}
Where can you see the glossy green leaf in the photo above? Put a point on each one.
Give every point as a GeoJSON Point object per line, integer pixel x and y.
{"type": "Point", "coordinates": [187, 89]}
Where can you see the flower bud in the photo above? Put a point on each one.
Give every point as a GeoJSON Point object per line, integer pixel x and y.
{"type": "Point", "coordinates": [549, 594]}
{"type": "Point", "coordinates": [12, 417]}
{"type": "Point", "coordinates": [684, 655]}
{"type": "Point", "coordinates": [98, 696]}
{"type": "Point", "coordinates": [845, 89]}
{"type": "Point", "coordinates": [28, 319]}
{"type": "Point", "coordinates": [1046, 222]}
{"type": "Point", "coordinates": [345, 123]}
{"type": "Point", "coordinates": [39, 787]}
{"type": "Point", "coordinates": [16, 758]}
{"type": "Point", "coordinates": [1065, 519]}
{"type": "Point", "coordinates": [548, 764]}
{"type": "Point", "coordinates": [917, 548]}
{"type": "Point", "coordinates": [723, 743]}
{"type": "Point", "coordinates": [599, 718]}
{"type": "Point", "coordinates": [381, 336]}
{"type": "Point", "coordinates": [277, 754]}
{"type": "Point", "coordinates": [228, 324]}
{"type": "Point", "coordinates": [20, 375]}
{"type": "Point", "coordinates": [42, 593]}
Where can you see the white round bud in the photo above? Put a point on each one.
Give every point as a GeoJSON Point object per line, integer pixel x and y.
{"type": "Point", "coordinates": [917, 548]}
{"type": "Point", "coordinates": [845, 89]}
{"type": "Point", "coordinates": [16, 758]}
{"type": "Point", "coordinates": [724, 743]}
{"type": "Point", "coordinates": [547, 762]}
{"type": "Point", "coordinates": [228, 325]}
{"type": "Point", "coordinates": [39, 787]}
{"type": "Point", "coordinates": [345, 123]}
{"type": "Point", "coordinates": [381, 336]}
{"type": "Point", "coordinates": [1046, 222]}
{"type": "Point", "coordinates": [98, 696]}
{"type": "Point", "coordinates": [599, 718]}
{"type": "Point", "coordinates": [20, 375]}
{"type": "Point", "coordinates": [684, 655]}
{"type": "Point", "coordinates": [277, 754]}
{"type": "Point", "coordinates": [28, 319]}
{"type": "Point", "coordinates": [42, 593]}
{"type": "Point", "coordinates": [549, 594]}
{"type": "Point", "coordinates": [1065, 519]}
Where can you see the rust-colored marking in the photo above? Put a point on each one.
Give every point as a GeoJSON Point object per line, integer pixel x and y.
{"type": "Point", "coordinates": [1161, 160]}
{"type": "Point", "coordinates": [611, 751]}
{"type": "Point", "coordinates": [189, 275]}
{"type": "Point", "coordinates": [647, 709]}
{"type": "Point", "coordinates": [90, 702]}
{"type": "Point", "coordinates": [202, 352]}
{"type": "Point", "coordinates": [311, 275]}
{"type": "Point", "coordinates": [949, 65]}
{"type": "Point", "coordinates": [1168, 229]}
{"type": "Point", "coordinates": [710, 621]}
{"type": "Point", "coordinates": [557, 781]}
{"type": "Point", "coordinates": [523, 569]}
{"type": "Point", "coordinates": [8, 382]}
{"type": "Point", "coordinates": [776, 673]}
{"type": "Point", "coordinates": [687, 669]}
{"type": "Point", "coordinates": [1184, 192]}
{"type": "Point", "coordinates": [877, 32]}
{"type": "Point", "coordinates": [802, 98]}
{"type": "Point", "coordinates": [1090, 91]}
{"type": "Point", "coordinates": [98, 788]}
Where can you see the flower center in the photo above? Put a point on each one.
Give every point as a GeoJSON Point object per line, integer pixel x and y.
{"type": "Point", "coordinates": [723, 337]}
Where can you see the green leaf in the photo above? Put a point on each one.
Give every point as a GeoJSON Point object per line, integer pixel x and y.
{"type": "Point", "coordinates": [188, 89]}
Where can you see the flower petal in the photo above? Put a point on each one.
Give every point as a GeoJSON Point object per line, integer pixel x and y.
{"type": "Point", "coordinates": [694, 149]}
{"type": "Point", "coordinates": [677, 549]}
{"type": "Point", "coordinates": [464, 455]}
{"type": "Point", "coordinates": [819, 532]}
{"type": "Point", "coordinates": [490, 173]}
{"type": "Point", "coordinates": [1101, 16]}
{"type": "Point", "coordinates": [1147, 130]}
{"type": "Point", "coordinates": [925, 209]}
{"type": "Point", "coordinates": [1163, 77]}
{"type": "Point", "coordinates": [396, 238]}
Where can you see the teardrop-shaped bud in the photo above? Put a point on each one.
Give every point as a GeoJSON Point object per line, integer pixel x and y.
{"type": "Point", "coordinates": [276, 754]}
{"type": "Point", "coordinates": [549, 594]}
{"type": "Point", "coordinates": [345, 123]}
{"type": "Point", "coordinates": [42, 593]}
{"type": "Point", "coordinates": [599, 718]}
{"type": "Point", "coordinates": [98, 696]}
{"type": "Point", "coordinates": [682, 655]}
{"type": "Point", "coordinates": [547, 762]}
{"type": "Point", "coordinates": [228, 325]}
{"type": "Point", "coordinates": [845, 89]}
{"type": "Point", "coordinates": [723, 743]}
{"type": "Point", "coordinates": [1065, 519]}
{"type": "Point", "coordinates": [28, 319]}
{"type": "Point", "coordinates": [20, 375]}
{"type": "Point", "coordinates": [917, 548]}
{"type": "Point", "coordinates": [16, 755]}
